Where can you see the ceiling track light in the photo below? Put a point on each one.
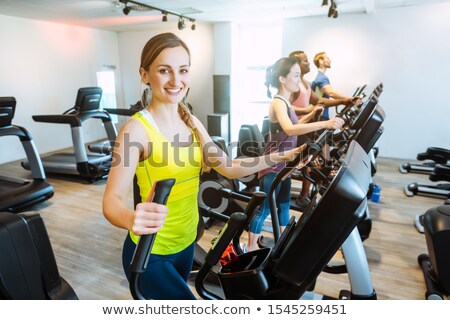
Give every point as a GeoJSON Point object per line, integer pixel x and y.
{"type": "Point", "coordinates": [330, 12]}
{"type": "Point", "coordinates": [333, 11]}
{"type": "Point", "coordinates": [137, 6]}
{"type": "Point", "coordinates": [193, 24]}
{"type": "Point", "coordinates": [181, 24]}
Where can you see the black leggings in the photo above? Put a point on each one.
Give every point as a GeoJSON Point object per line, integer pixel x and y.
{"type": "Point", "coordinates": [166, 275]}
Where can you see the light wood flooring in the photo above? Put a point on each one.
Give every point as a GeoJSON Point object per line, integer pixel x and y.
{"type": "Point", "coordinates": [88, 248]}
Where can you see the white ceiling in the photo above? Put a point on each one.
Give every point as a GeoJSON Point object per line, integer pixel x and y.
{"type": "Point", "coordinates": [108, 14]}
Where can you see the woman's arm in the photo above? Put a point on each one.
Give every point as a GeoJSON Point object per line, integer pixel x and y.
{"type": "Point", "coordinates": [317, 110]}
{"type": "Point", "coordinates": [302, 111]}
{"type": "Point", "coordinates": [148, 218]}
{"type": "Point", "coordinates": [217, 159]}
{"type": "Point", "coordinates": [280, 112]}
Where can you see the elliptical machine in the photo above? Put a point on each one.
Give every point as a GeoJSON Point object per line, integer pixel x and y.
{"type": "Point", "coordinates": [433, 154]}
{"type": "Point", "coordinates": [290, 269]}
{"type": "Point", "coordinates": [250, 144]}
{"type": "Point", "coordinates": [436, 264]}
{"type": "Point", "coordinates": [441, 190]}
{"type": "Point", "coordinates": [28, 268]}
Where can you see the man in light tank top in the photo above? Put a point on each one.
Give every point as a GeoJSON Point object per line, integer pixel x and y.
{"type": "Point", "coordinates": [321, 85]}
{"type": "Point", "coordinates": [305, 104]}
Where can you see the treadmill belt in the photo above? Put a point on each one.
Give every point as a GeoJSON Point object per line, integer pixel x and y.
{"type": "Point", "coordinates": [9, 184]}
{"type": "Point", "coordinates": [70, 158]}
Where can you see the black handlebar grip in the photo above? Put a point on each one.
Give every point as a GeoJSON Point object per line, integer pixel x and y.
{"type": "Point", "coordinates": [161, 191]}
{"type": "Point", "coordinates": [237, 220]}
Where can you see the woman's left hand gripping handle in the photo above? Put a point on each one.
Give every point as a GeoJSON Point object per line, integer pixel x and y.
{"type": "Point", "coordinates": [157, 197]}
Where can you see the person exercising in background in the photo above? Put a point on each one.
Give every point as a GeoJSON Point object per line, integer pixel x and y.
{"type": "Point", "coordinates": [284, 76]}
{"type": "Point", "coordinates": [321, 84]}
{"type": "Point", "coordinates": [303, 102]}
{"type": "Point", "coordinates": [162, 141]}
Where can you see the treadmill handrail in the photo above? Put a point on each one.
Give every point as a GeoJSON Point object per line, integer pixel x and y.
{"type": "Point", "coordinates": [37, 170]}
{"type": "Point", "coordinates": [14, 130]}
{"type": "Point", "coordinates": [121, 111]}
{"type": "Point", "coordinates": [73, 119]}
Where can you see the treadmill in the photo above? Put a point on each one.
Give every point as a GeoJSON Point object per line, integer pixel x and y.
{"type": "Point", "coordinates": [91, 166]}
{"type": "Point", "coordinates": [104, 146]}
{"type": "Point", "coordinates": [18, 194]}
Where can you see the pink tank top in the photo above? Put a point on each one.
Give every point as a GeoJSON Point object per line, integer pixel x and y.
{"type": "Point", "coordinates": [303, 99]}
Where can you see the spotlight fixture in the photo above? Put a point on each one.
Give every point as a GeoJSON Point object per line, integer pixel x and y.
{"type": "Point", "coordinates": [131, 5]}
{"type": "Point", "coordinates": [181, 24]}
{"type": "Point", "coordinates": [193, 24]}
{"type": "Point", "coordinates": [324, 3]}
{"type": "Point", "coordinates": [332, 12]}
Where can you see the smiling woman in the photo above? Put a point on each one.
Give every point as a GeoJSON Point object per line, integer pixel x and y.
{"type": "Point", "coordinates": [166, 141]}
{"type": "Point", "coordinates": [161, 129]}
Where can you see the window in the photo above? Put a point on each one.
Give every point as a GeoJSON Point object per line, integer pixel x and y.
{"type": "Point", "coordinates": [107, 81]}
{"type": "Point", "coordinates": [258, 47]}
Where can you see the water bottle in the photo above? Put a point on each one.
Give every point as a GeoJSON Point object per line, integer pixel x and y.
{"type": "Point", "coordinates": [376, 193]}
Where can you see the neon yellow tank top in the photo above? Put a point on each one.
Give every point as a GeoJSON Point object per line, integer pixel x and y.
{"type": "Point", "coordinates": [183, 164]}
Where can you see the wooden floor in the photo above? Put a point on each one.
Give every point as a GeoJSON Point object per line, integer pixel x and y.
{"type": "Point", "coordinates": [88, 248]}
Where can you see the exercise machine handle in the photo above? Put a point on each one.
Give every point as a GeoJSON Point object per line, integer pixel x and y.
{"type": "Point", "coordinates": [250, 210]}
{"type": "Point", "coordinates": [311, 151]}
{"type": "Point", "coordinates": [236, 222]}
{"type": "Point", "coordinates": [159, 194]}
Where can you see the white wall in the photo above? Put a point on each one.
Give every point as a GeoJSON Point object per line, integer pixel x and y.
{"type": "Point", "coordinates": [223, 43]}
{"type": "Point", "coordinates": [201, 45]}
{"type": "Point", "coordinates": [405, 48]}
{"type": "Point", "coordinates": [42, 64]}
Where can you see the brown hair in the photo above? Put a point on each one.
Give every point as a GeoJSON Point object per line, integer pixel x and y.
{"type": "Point", "coordinates": [280, 68]}
{"type": "Point", "coordinates": [317, 57]}
{"type": "Point", "coordinates": [153, 49]}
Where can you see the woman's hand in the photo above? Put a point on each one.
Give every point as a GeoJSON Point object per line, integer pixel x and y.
{"type": "Point", "coordinates": [313, 114]}
{"type": "Point", "coordinates": [305, 162]}
{"type": "Point", "coordinates": [309, 109]}
{"type": "Point", "coordinates": [349, 101]}
{"type": "Point", "coordinates": [335, 123]}
{"type": "Point", "coordinates": [291, 154]}
{"type": "Point", "coordinates": [318, 109]}
{"type": "Point", "coordinates": [357, 101]}
{"type": "Point", "coordinates": [149, 218]}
